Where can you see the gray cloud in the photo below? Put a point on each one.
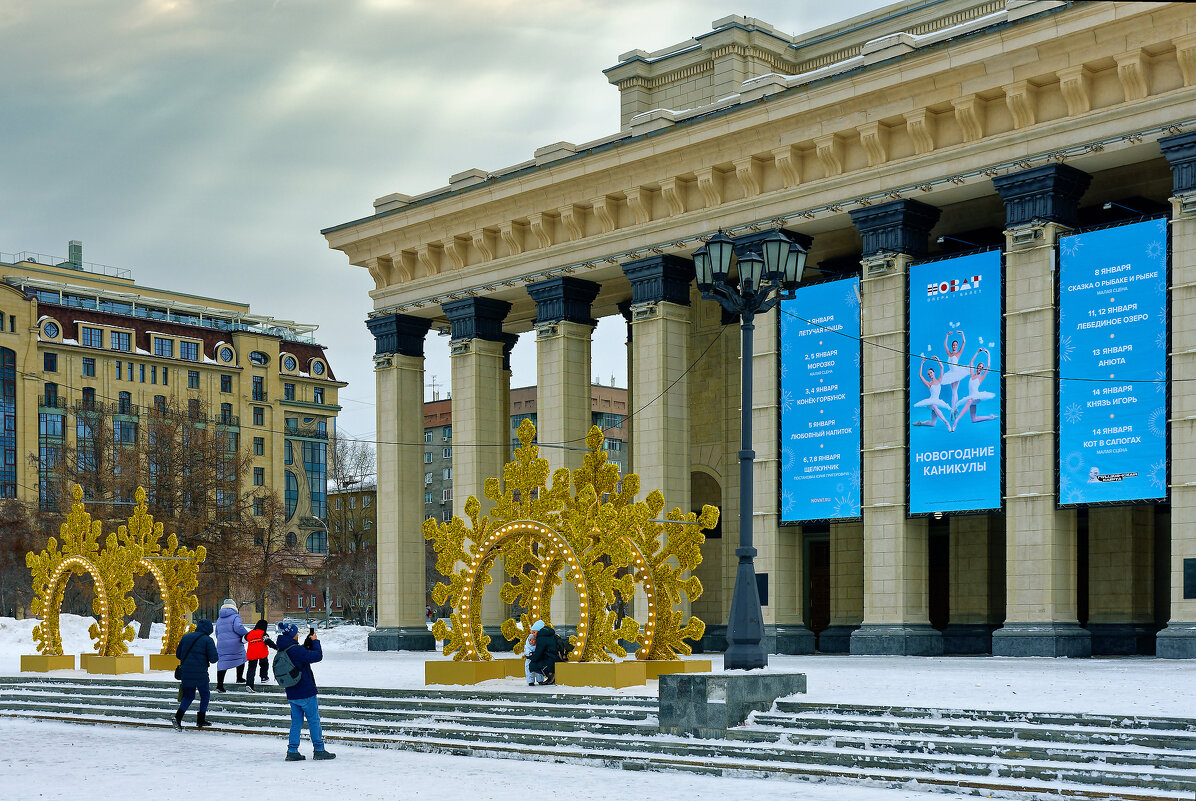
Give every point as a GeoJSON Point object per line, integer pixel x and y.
{"type": "Point", "coordinates": [205, 144]}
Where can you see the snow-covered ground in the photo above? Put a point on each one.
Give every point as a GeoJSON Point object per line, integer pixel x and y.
{"type": "Point", "coordinates": [68, 762]}
{"type": "Point", "coordinates": [1123, 686]}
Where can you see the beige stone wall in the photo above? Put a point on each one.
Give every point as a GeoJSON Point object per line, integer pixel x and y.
{"type": "Point", "coordinates": [1183, 408]}
{"type": "Point", "coordinates": [969, 571]}
{"type": "Point", "coordinates": [1121, 564]}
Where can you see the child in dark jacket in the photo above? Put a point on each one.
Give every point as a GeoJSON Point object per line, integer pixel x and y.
{"type": "Point", "coordinates": [256, 652]}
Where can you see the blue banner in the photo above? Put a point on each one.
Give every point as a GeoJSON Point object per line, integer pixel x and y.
{"type": "Point", "coordinates": [955, 384]}
{"type": "Point", "coordinates": [820, 402]}
{"type": "Point", "coordinates": [1113, 364]}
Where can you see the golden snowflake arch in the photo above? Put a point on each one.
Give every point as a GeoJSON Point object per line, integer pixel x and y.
{"type": "Point", "coordinates": [111, 572]}
{"type": "Point", "coordinates": [582, 528]}
{"type": "Point", "coordinates": [175, 569]}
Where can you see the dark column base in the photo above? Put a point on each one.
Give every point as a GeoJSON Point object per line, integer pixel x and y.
{"type": "Point", "coordinates": [1176, 641]}
{"type": "Point", "coordinates": [902, 639]}
{"type": "Point", "coordinates": [714, 640]}
{"type": "Point", "coordinates": [836, 639]}
{"type": "Point", "coordinates": [1122, 639]}
{"type": "Point", "coordinates": [697, 705]}
{"type": "Point", "coordinates": [498, 643]}
{"type": "Point", "coordinates": [1042, 639]}
{"type": "Point", "coordinates": [401, 638]}
{"type": "Point", "coordinates": [792, 639]}
{"type": "Point", "coordinates": [968, 638]}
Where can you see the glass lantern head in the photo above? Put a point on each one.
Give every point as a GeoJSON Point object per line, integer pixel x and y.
{"type": "Point", "coordinates": [702, 269]}
{"type": "Point", "coordinates": [720, 247]}
{"type": "Point", "coordinates": [775, 250]}
{"type": "Point", "coordinates": [751, 268]}
{"type": "Point", "coordinates": [795, 265]}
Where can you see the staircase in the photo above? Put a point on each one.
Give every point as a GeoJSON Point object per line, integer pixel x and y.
{"type": "Point", "coordinates": [1036, 755]}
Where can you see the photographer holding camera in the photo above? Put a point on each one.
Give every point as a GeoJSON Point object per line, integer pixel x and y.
{"type": "Point", "coordinates": [300, 685]}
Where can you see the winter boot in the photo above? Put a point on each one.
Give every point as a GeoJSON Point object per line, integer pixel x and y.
{"type": "Point", "coordinates": [201, 721]}
{"type": "Point", "coordinates": [178, 720]}
{"type": "Point", "coordinates": [295, 756]}
{"type": "Point", "coordinates": [249, 687]}
{"type": "Point", "coordinates": [323, 755]}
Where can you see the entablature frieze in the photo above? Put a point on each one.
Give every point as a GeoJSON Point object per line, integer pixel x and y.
{"type": "Point", "coordinates": [663, 191]}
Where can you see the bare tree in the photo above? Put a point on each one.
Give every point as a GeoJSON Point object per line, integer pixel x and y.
{"type": "Point", "coordinates": [18, 536]}
{"type": "Point", "coordinates": [350, 570]}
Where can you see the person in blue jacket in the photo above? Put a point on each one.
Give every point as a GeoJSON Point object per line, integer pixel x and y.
{"type": "Point", "coordinates": [302, 696]}
{"type": "Point", "coordinates": [195, 653]}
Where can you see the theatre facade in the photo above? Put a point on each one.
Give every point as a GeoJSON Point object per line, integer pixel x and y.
{"type": "Point", "coordinates": [974, 428]}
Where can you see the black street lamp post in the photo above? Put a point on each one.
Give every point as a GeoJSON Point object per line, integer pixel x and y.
{"type": "Point", "coordinates": [762, 282]}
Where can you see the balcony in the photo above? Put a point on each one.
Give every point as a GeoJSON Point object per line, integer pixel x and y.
{"type": "Point", "coordinates": [260, 395]}
{"type": "Point", "coordinates": [309, 431]}
{"type": "Point", "coordinates": [228, 420]}
{"type": "Point", "coordinates": [51, 402]}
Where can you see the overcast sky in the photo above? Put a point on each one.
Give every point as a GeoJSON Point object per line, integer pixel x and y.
{"type": "Point", "coordinates": [204, 143]}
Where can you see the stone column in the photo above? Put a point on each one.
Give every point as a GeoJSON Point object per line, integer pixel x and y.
{"type": "Point", "coordinates": [563, 331]}
{"type": "Point", "coordinates": [402, 568]}
{"type": "Point", "coordinates": [1121, 579]}
{"type": "Point", "coordinates": [481, 423]}
{"type": "Point", "coordinates": [1178, 639]}
{"type": "Point", "coordinates": [896, 585]}
{"type": "Point", "coordinates": [1040, 544]}
{"type": "Point", "coordinates": [847, 587]}
{"type": "Point", "coordinates": [968, 630]}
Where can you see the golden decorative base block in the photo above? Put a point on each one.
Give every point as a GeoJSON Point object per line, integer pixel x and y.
{"type": "Point", "coordinates": [83, 658]}
{"type": "Point", "coordinates": [113, 665]}
{"type": "Point", "coordinates": [446, 672]}
{"type": "Point", "coordinates": [601, 674]}
{"type": "Point", "coordinates": [41, 663]}
{"type": "Point", "coordinates": [514, 668]}
{"type": "Point", "coordinates": [163, 662]}
{"type": "Point", "coordinates": [655, 668]}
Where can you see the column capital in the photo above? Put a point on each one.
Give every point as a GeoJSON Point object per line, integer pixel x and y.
{"type": "Point", "coordinates": [660, 279]}
{"type": "Point", "coordinates": [476, 318]}
{"type": "Point", "coordinates": [508, 344]}
{"type": "Point", "coordinates": [1050, 193]}
{"type": "Point", "coordinates": [899, 226]}
{"type": "Point", "coordinates": [1180, 152]}
{"type": "Point", "coordinates": [398, 334]}
{"type": "Point", "coordinates": [564, 299]}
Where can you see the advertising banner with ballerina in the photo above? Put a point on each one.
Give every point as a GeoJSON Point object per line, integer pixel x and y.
{"type": "Point", "coordinates": [955, 384]}
{"type": "Point", "coordinates": [820, 402]}
{"type": "Point", "coordinates": [1113, 364]}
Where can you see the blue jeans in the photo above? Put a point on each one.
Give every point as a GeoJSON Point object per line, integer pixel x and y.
{"type": "Point", "coordinates": [309, 708]}
{"type": "Point", "coordinates": [187, 695]}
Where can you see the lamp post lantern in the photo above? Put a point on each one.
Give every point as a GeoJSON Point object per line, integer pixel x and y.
{"type": "Point", "coordinates": [763, 280]}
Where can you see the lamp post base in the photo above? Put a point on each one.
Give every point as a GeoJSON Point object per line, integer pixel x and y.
{"type": "Point", "coordinates": [745, 629]}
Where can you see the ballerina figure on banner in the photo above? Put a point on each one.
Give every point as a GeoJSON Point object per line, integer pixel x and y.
{"type": "Point", "coordinates": [934, 384]}
{"type": "Point", "coordinates": [970, 402]}
{"type": "Point", "coordinates": [956, 372]}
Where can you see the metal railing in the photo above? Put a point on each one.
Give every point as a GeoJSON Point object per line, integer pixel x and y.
{"type": "Point", "coordinates": [51, 402]}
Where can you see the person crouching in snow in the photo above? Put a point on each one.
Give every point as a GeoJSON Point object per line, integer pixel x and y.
{"type": "Point", "coordinates": [528, 648]}
{"type": "Point", "coordinates": [195, 652]}
{"type": "Point", "coordinates": [229, 633]}
{"type": "Point", "coordinates": [543, 659]}
{"type": "Point", "coordinates": [302, 695]}
{"type": "Point", "coordinates": [256, 652]}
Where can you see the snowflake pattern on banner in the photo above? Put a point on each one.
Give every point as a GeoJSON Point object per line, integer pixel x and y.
{"type": "Point", "coordinates": [851, 297]}
{"type": "Point", "coordinates": [1066, 348]}
{"type": "Point", "coordinates": [1070, 245]}
{"type": "Point", "coordinates": [1073, 496]}
{"type": "Point", "coordinates": [1075, 462]}
{"type": "Point", "coordinates": [786, 400]}
{"type": "Point", "coordinates": [1157, 423]}
{"type": "Point", "coordinates": [1074, 413]}
{"type": "Point", "coordinates": [1160, 377]}
{"type": "Point", "coordinates": [1156, 251]}
{"type": "Point", "coordinates": [1158, 475]}
{"type": "Point", "coordinates": [855, 479]}
{"type": "Point", "coordinates": [788, 501]}
{"type": "Point", "coordinates": [846, 506]}
{"type": "Point", "coordinates": [788, 458]}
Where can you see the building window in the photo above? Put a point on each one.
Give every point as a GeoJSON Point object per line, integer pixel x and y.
{"type": "Point", "coordinates": [259, 476]}
{"type": "Point", "coordinates": [288, 392]}
{"type": "Point", "coordinates": [124, 431]}
{"type": "Point", "coordinates": [258, 358]}
{"type": "Point", "coordinates": [226, 383]}
{"type": "Point", "coordinates": [446, 515]}
{"type": "Point", "coordinates": [50, 395]}
{"type": "Point", "coordinates": [299, 598]}
{"type": "Point", "coordinates": [189, 351]}
{"type": "Point", "coordinates": [119, 340]}
{"type": "Point", "coordinates": [93, 337]}
{"type": "Point", "coordinates": [192, 378]}
{"type": "Point", "coordinates": [124, 403]}
{"type": "Point", "coordinates": [259, 416]}
{"type": "Point", "coordinates": [160, 404]}
{"type": "Point", "coordinates": [153, 373]}
{"type": "Point", "coordinates": [367, 501]}
{"type": "Point", "coordinates": [317, 395]}
{"type": "Point", "coordinates": [193, 410]}
{"type": "Point", "coordinates": [427, 457]}
{"type": "Point", "coordinates": [141, 372]}
{"type": "Point", "coordinates": [428, 497]}
{"type": "Point", "coordinates": [446, 433]}
{"type": "Point", "coordinates": [317, 542]}
{"type": "Point", "coordinates": [164, 348]}
{"type": "Point", "coordinates": [291, 497]}
{"type": "Point", "coordinates": [313, 602]}
{"type": "Point", "coordinates": [288, 453]}
{"type": "Point", "coordinates": [89, 397]}
{"type": "Point", "coordinates": [89, 367]}
{"type": "Point", "coordinates": [50, 363]}
{"type": "Point", "coordinates": [259, 446]}
{"type": "Point", "coordinates": [448, 473]}
{"type": "Point", "coordinates": [226, 413]}
{"type": "Point", "coordinates": [259, 388]}
{"type": "Point", "coordinates": [446, 453]}
{"type": "Point", "coordinates": [165, 376]}
{"type": "Point", "coordinates": [337, 505]}
{"type": "Point", "coordinates": [427, 479]}
{"type": "Point", "coordinates": [315, 463]}
{"type": "Point", "coordinates": [259, 507]}
{"type": "Point", "coordinates": [446, 495]}
{"type": "Point", "coordinates": [427, 436]}
{"type": "Point", "coordinates": [119, 364]}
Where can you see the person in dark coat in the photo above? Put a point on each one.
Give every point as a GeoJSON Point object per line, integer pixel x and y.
{"type": "Point", "coordinates": [302, 696]}
{"type": "Point", "coordinates": [543, 659]}
{"type": "Point", "coordinates": [195, 653]}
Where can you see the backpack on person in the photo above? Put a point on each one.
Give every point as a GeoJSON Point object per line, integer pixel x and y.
{"type": "Point", "coordinates": [286, 672]}
{"type": "Point", "coordinates": [563, 648]}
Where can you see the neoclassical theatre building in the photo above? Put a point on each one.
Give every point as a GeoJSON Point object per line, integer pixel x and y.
{"type": "Point", "coordinates": [974, 431]}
